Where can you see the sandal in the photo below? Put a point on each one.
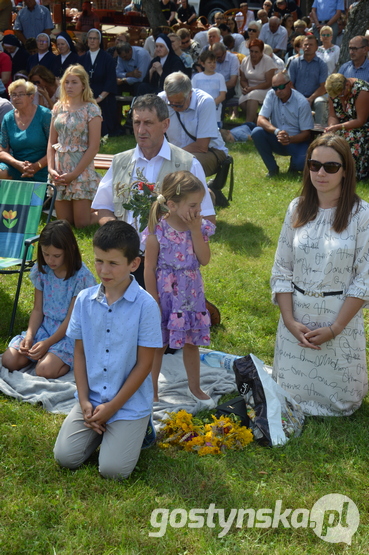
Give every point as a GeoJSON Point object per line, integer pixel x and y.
{"type": "Point", "coordinates": [214, 313]}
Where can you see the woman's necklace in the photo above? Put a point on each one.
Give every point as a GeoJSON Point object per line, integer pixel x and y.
{"type": "Point", "coordinates": [27, 121]}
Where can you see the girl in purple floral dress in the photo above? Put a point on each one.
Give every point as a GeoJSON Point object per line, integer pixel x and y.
{"type": "Point", "coordinates": [73, 143]}
{"type": "Point", "coordinates": [176, 244]}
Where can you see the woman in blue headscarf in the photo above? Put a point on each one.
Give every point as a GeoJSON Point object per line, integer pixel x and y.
{"type": "Point", "coordinates": [67, 54]}
{"type": "Point", "coordinates": [164, 63]}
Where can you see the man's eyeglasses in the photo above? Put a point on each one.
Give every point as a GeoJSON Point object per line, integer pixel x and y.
{"type": "Point", "coordinates": [354, 48]}
{"type": "Point", "coordinates": [329, 167]}
{"type": "Point", "coordinates": [252, 30]}
{"type": "Point", "coordinates": [280, 87]}
{"type": "Point", "coordinates": [178, 106]}
{"type": "Point", "coordinates": [19, 95]}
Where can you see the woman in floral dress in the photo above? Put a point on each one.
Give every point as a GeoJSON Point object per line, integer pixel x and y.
{"type": "Point", "coordinates": [349, 117]}
{"type": "Point", "coordinates": [73, 143]}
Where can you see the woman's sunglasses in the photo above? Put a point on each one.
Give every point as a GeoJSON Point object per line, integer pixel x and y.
{"type": "Point", "coordinates": [329, 167]}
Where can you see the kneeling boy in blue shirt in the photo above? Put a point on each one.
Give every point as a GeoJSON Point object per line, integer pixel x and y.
{"type": "Point", "coordinates": [116, 328]}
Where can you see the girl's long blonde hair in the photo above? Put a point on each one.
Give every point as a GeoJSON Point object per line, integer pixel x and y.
{"type": "Point", "coordinates": [79, 71]}
{"type": "Point", "coordinates": [176, 187]}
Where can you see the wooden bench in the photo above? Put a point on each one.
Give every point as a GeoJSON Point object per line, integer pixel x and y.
{"type": "Point", "coordinates": [103, 161]}
{"type": "Point", "coordinates": [124, 100]}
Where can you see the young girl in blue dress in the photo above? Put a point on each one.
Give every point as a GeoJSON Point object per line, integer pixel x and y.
{"type": "Point", "coordinates": [58, 277]}
{"type": "Point", "coordinates": [176, 244]}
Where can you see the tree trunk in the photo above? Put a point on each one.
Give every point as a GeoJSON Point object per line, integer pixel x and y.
{"type": "Point", "coordinates": [153, 13]}
{"type": "Point", "coordinates": [357, 25]}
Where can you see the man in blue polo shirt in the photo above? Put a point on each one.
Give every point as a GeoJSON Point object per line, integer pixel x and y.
{"type": "Point", "coordinates": [308, 75]}
{"type": "Point", "coordinates": [32, 20]}
{"type": "Point", "coordinates": [327, 12]}
{"type": "Point", "coordinates": [358, 66]}
{"type": "Point", "coordinates": [283, 125]}
{"type": "Point", "coordinates": [132, 65]}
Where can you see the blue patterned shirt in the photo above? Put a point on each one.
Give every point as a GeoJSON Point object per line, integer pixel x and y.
{"type": "Point", "coordinates": [292, 116]}
{"type": "Point", "coordinates": [33, 22]}
{"type": "Point", "coordinates": [307, 76]}
{"type": "Point", "coordinates": [349, 70]}
{"type": "Point", "coordinates": [111, 335]}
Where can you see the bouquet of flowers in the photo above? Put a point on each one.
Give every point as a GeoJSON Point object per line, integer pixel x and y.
{"type": "Point", "coordinates": [182, 430]}
{"type": "Point", "coordinates": [141, 198]}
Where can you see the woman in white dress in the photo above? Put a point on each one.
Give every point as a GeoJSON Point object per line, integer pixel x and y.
{"type": "Point", "coordinates": [328, 51]}
{"type": "Point", "coordinates": [256, 73]}
{"type": "Point", "coordinates": [320, 280]}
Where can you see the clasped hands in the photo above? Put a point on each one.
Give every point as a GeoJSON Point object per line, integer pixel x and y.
{"type": "Point", "coordinates": [36, 351]}
{"type": "Point", "coordinates": [61, 178]}
{"type": "Point", "coordinates": [283, 137]}
{"type": "Point", "coordinates": [156, 66]}
{"type": "Point", "coordinates": [247, 89]}
{"type": "Point", "coordinates": [27, 169]}
{"type": "Point", "coordinates": [310, 338]}
{"type": "Point", "coordinates": [96, 418]}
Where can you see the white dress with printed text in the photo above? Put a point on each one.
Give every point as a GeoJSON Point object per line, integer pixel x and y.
{"type": "Point", "coordinates": [332, 381]}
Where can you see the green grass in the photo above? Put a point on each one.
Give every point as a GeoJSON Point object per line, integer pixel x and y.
{"type": "Point", "coordinates": [47, 510]}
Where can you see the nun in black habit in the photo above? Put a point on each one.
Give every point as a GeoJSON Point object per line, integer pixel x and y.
{"type": "Point", "coordinates": [164, 63]}
{"type": "Point", "coordinates": [17, 52]}
{"type": "Point", "coordinates": [100, 67]}
{"type": "Point", "coordinates": [44, 55]}
{"type": "Point", "coordinates": [68, 54]}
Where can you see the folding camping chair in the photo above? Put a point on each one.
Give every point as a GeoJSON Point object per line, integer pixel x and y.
{"type": "Point", "coordinates": [21, 205]}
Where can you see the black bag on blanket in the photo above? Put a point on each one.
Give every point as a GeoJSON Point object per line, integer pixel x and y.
{"type": "Point", "coordinates": [274, 415]}
{"type": "Point", "coordinates": [236, 406]}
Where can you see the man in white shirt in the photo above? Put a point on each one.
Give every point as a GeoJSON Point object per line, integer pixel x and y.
{"type": "Point", "coordinates": [148, 161]}
{"type": "Point", "coordinates": [248, 15]}
{"type": "Point", "coordinates": [193, 122]}
{"type": "Point", "coordinates": [275, 35]}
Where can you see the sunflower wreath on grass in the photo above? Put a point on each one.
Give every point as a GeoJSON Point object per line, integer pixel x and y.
{"type": "Point", "coordinates": [182, 430]}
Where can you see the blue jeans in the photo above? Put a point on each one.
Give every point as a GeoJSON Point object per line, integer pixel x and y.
{"type": "Point", "coordinates": [267, 144]}
{"type": "Point", "coordinates": [242, 132]}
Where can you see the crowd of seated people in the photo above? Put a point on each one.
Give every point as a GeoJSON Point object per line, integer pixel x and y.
{"type": "Point", "coordinates": [230, 61]}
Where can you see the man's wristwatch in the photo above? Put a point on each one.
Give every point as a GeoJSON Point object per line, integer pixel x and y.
{"type": "Point", "coordinates": [276, 131]}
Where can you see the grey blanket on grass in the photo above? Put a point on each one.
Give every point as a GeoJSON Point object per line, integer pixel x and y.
{"type": "Point", "coordinates": [57, 396]}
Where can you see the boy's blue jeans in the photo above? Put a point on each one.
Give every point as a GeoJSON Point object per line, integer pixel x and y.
{"type": "Point", "coordinates": [242, 132]}
{"type": "Point", "coordinates": [267, 144]}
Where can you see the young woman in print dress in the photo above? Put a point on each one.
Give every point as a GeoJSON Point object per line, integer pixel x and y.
{"type": "Point", "coordinates": [320, 280]}
{"type": "Point", "coordinates": [176, 244]}
{"type": "Point", "coordinates": [73, 143]}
